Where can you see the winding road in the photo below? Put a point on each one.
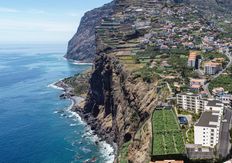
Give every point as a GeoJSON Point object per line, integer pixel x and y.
{"type": "Point", "coordinates": [224, 138]}
{"type": "Point", "coordinates": [206, 86]}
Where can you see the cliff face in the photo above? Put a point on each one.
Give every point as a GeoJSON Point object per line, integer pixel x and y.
{"type": "Point", "coordinates": [118, 107]}
{"type": "Point", "coordinates": [82, 46]}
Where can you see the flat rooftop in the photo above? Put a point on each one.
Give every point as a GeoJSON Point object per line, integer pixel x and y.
{"type": "Point", "coordinates": [189, 94]}
{"type": "Point", "coordinates": [215, 103]}
{"type": "Point", "coordinates": [208, 119]}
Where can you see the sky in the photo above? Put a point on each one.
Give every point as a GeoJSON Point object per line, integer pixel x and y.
{"type": "Point", "coordinates": [42, 21]}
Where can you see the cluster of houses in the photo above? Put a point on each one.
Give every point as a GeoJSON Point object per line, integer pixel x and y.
{"type": "Point", "coordinates": [165, 27]}
{"type": "Point", "coordinates": [196, 84]}
{"type": "Point", "coordinates": [211, 67]}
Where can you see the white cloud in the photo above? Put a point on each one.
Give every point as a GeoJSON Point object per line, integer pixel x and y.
{"type": "Point", "coordinates": [8, 10]}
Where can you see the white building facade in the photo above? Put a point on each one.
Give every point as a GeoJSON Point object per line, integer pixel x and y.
{"type": "Point", "coordinates": [195, 103]}
{"type": "Point", "coordinates": [206, 130]}
{"type": "Point", "coordinates": [190, 102]}
{"type": "Point", "coordinates": [225, 99]}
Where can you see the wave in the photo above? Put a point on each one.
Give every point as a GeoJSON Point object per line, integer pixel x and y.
{"type": "Point", "coordinates": [73, 124]}
{"type": "Point", "coordinates": [77, 62]}
{"type": "Point", "coordinates": [81, 63]}
{"type": "Point", "coordinates": [106, 149]}
{"type": "Point", "coordinates": [54, 86]}
{"type": "Point", "coordinates": [77, 117]}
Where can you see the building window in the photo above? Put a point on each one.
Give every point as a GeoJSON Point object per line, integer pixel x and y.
{"type": "Point", "coordinates": [212, 130]}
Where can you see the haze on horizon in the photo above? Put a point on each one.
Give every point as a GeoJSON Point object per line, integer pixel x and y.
{"type": "Point", "coordinates": [42, 21]}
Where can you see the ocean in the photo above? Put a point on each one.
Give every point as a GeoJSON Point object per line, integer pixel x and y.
{"type": "Point", "coordinates": [35, 125]}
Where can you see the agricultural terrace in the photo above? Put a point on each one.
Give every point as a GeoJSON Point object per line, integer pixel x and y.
{"type": "Point", "coordinates": [167, 136]}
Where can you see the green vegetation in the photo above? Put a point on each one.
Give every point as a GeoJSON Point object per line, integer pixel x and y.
{"type": "Point", "coordinates": [211, 55]}
{"type": "Point", "coordinates": [227, 30]}
{"type": "Point", "coordinates": [146, 73]}
{"type": "Point", "coordinates": [190, 135]}
{"type": "Point", "coordinates": [224, 81]}
{"type": "Point", "coordinates": [79, 83]}
{"type": "Point", "coordinates": [149, 52]}
{"type": "Point", "coordinates": [167, 135]}
{"type": "Point", "coordinates": [195, 117]}
{"type": "Point", "coordinates": [123, 152]}
{"type": "Point", "coordinates": [189, 131]}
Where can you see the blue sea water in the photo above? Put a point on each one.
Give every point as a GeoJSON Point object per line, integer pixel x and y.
{"type": "Point", "coordinates": [31, 131]}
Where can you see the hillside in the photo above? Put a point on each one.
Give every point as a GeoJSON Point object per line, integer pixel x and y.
{"type": "Point", "coordinates": [142, 49]}
{"type": "Point", "coordinates": [82, 46]}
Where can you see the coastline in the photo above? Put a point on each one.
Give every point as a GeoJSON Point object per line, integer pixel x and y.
{"type": "Point", "coordinates": [77, 62]}
{"type": "Point", "coordinates": [108, 150]}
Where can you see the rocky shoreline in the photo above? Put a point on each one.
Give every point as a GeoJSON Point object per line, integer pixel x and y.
{"type": "Point", "coordinates": [78, 108]}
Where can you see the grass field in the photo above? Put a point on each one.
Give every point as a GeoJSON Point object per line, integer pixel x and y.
{"type": "Point", "coordinates": [167, 135]}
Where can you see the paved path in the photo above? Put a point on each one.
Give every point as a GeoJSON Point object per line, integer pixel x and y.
{"type": "Point", "coordinates": [224, 139]}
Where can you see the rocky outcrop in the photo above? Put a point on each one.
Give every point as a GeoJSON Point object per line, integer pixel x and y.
{"type": "Point", "coordinates": [118, 106]}
{"type": "Point", "coordinates": [82, 46]}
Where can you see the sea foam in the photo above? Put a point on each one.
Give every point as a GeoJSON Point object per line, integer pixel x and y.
{"type": "Point", "coordinates": [106, 149]}
{"type": "Point", "coordinates": [53, 85]}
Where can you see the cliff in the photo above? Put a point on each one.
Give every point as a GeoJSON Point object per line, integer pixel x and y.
{"type": "Point", "coordinates": [82, 46]}
{"type": "Point", "coordinates": [118, 107]}
{"type": "Point", "coordinates": [140, 49]}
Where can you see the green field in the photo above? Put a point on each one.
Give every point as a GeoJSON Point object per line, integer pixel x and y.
{"type": "Point", "coordinates": [167, 135]}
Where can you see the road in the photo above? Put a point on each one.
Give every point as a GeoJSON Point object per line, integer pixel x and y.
{"type": "Point", "coordinates": [224, 138]}
{"type": "Point", "coordinates": [206, 86]}
{"type": "Point", "coordinates": [227, 66]}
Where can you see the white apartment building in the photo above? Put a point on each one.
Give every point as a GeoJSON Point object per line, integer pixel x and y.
{"type": "Point", "coordinates": [206, 130]}
{"type": "Point", "coordinates": [212, 68]}
{"type": "Point", "coordinates": [195, 103]}
{"type": "Point", "coordinates": [190, 102]}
